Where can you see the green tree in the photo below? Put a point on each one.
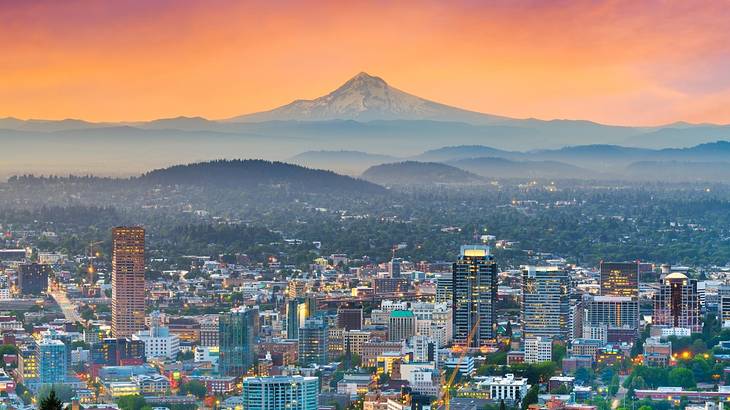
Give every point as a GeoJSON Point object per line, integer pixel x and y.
{"type": "Point", "coordinates": [531, 397]}
{"type": "Point", "coordinates": [558, 353]}
{"type": "Point", "coordinates": [698, 346]}
{"type": "Point", "coordinates": [131, 402]}
{"type": "Point", "coordinates": [62, 392]}
{"type": "Point", "coordinates": [682, 377]}
{"type": "Point", "coordinates": [51, 402]}
{"type": "Point", "coordinates": [195, 388]}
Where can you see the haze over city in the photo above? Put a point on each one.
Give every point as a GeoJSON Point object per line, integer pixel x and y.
{"type": "Point", "coordinates": [289, 205]}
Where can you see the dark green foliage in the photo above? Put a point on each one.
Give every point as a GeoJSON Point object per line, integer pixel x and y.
{"type": "Point", "coordinates": [531, 397]}
{"type": "Point", "coordinates": [62, 392]}
{"type": "Point", "coordinates": [248, 174]}
{"type": "Point", "coordinates": [51, 402]}
{"type": "Point", "coordinates": [133, 402]}
{"type": "Point", "coordinates": [195, 388]}
{"type": "Point", "coordinates": [682, 377]}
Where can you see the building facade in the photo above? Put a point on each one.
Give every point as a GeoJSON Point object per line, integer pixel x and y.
{"type": "Point", "coordinates": [545, 302]}
{"type": "Point", "coordinates": [128, 291]}
{"type": "Point", "coordinates": [474, 280]}
{"type": "Point", "coordinates": [313, 342]}
{"type": "Point", "coordinates": [280, 392]}
{"type": "Point", "coordinates": [620, 279]}
{"type": "Point", "coordinates": [52, 361]}
{"type": "Point", "coordinates": [33, 278]}
{"type": "Point", "coordinates": [538, 350]}
{"type": "Point", "coordinates": [237, 338]}
{"type": "Point", "coordinates": [401, 325]}
{"type": "Point", "coordinates": [677, 303]}
{"type": "Point", "coordinates": [349, 318]}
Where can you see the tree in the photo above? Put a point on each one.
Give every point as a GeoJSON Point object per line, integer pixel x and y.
{"type": "Point", "coordinates": [638, 383]}
{"type": "Point", "coordinates": [131, 402]}
{"type": "Point", "coordinates": [558, 353]}
{"type": "Point", "coordinates": [51, 402]}
{"type": "Point", "coordinates": [531, 397]}
{"type": "Point", "coordinates": [187, 355]}
{"type": "Point", "coordinates": [584, 374]}
{"type": "Point", "coordinates": [62, 392]}
{"type": "Point", "coordinates": [682, 377]}
{"type": "Point", "coordinates": [699, 346]}
{"type": "Point", "coordinates": [501, 405]}
{"type": "Point", "coordinates": [195, 388]}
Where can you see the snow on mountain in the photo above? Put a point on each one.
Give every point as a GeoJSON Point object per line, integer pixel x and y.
{"type": "Point", "coordinates": [368, 98]}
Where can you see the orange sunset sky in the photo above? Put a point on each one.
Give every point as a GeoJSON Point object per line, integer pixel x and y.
{"type": "Point", "coordinates": [618, 62]}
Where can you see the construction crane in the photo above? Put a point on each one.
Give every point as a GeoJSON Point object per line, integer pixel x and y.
{"type": "Point", "coordinates": [446, 393]}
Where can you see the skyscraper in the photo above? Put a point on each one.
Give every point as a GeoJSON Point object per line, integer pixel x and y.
{"type": "Point", "coordinates": [401, 325]}
{"type": "Point", "coordinates": [545, 302]}
{"type": "Point", "coordinates": [33, 278]}
{"type": "Point", "coordinates": [677, 303]}
{"type": "Point", "coordinates": [613, 312]}
{"type": "Point", "coordinates": [475, 294]}
{"type": "Point", "coordinates": [620, 279]}
{"type": "Point", "coordinates": [394, 267]}
{"type": "Point", "coordinates": [349, 318]}
{"type": "Point", "coordinates": [52, 361]}
{"type": "Point", "coordinates": [237, 338]}
{"type": "Point", "coordinates": [128, 292]}
{"type": "Point", "coordinates": [445, 288]}
{"type": "Point", "coordinates": [313, 342]}
{"type": "Point", "coordinates": [298, 310]}
{"type": "Point", "coordinates": [280, 392]}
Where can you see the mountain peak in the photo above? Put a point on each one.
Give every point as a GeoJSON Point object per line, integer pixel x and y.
{"type": "Point", "coordinates": [363, 78]}
{"type": "Point", "coordinates": [366, 97]}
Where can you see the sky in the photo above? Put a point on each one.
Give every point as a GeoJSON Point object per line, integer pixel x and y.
{"type": "Point", "coordinates": [616, 62]}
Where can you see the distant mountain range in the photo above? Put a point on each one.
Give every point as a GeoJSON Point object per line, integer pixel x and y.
{"type": "Point", "coordinates": [364, 114]}
{"type": "Point", "coordinates": [705, 162]}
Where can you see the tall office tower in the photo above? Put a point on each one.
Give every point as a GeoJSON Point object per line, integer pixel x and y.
{"type": "Point", "coordinates": [237, 341]}
{"type": "Point", "coordinates": [401, 325]}
{"type": "Point", "coordinates": [209, 330]}
{"type": "Point", "coordinates": [313, 342]}
{"type": "Point", "coordinates": [280, 392]}
{"type": "Point", "coordinates": [723, 305]}
{"type": "Point", "coordinates": [128, 293]}
{"type": "Point", "coordinates": [620, 279]}
{"type": "Point", "coordinates": [577, 316]}
{"type": "Point", "coordinates": [52, 361]}
{"type": "Point", "coordinates": [444, 288]}
{"type": "Point", "coordinates": [349, 318]}
{"type": "Point", "coordinates": [545, 302]}
{"type": "Point", "coordinates": [297, 312]}
{"type": "Point", "coordinates": [33, 278]}
{"type": "Point", "coordinates": [394, 267]}
{"type": "Point", "coordinates": [292, 319]}
{"type": "Point", "coordinates": [611, 311]}
{"type": "Point", "coordinates": [474, 280]}
{"type": "Point", "coordinates": [677, 303]}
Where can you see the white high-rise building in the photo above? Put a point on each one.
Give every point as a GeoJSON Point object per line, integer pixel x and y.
{"type": "Point", "coordinates": [158, 341]}
{"type": "Point", "coordinates": [538, 349]}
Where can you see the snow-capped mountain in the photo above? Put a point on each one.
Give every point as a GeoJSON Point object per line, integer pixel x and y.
{"type": "Point", "coordinates": [368, 98]}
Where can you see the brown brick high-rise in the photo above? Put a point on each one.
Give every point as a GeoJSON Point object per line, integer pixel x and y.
{"type": "Point", "coordinates": [128, 292]}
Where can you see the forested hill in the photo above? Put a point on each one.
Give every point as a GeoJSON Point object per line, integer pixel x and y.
{"type": "Point", "coordinates": [258, 173]}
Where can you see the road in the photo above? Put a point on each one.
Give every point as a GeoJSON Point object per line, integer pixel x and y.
{"type": "Point", "coordinates": [621, 394]}
{"type": "Point", "coordinates": [67, 307]}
